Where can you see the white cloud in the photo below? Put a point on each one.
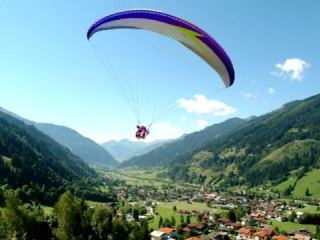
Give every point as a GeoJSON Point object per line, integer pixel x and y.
{"type": "Point", "coordinates": [204, 106]}
{"type": "Point", "coordinates": [271, 90]}
{"type": "Point", "coordinates": [164, 130]}
{"type": "Point", "coordinates": [202, 123]}
{"type": "Point", "coordinates": [248, 95]}
{"type": "Point", "coordinates": [183, 119]}
{"type": "Point", "coordinates": [293, 68]}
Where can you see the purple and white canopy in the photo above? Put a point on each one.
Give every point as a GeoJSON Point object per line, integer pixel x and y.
{"type": "Point", "coordinates": [181, 30]}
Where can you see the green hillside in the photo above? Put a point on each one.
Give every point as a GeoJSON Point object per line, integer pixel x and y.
{"type": "Point", "coordinates": [278, 147]}
{"type": "Point", "coordinates": [311, 181]}
{"type": "Point", "coordinates": [38, 168]}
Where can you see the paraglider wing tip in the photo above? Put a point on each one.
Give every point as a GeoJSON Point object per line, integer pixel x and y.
{"type": "Point", "coordinates": [89, 33]}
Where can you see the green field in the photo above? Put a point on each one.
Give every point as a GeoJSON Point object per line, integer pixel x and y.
{"type": "Point", "coordinates": [310, 181]}
{"type": "Point", "coordinates": [140, 177]}
{"type": "Point", "coordinates": [166, 211]}
{"type": "Point", "coordinates": [290, 226]}
{"type": "Point", "coordinates": [190, 206]}
{"type": "Point", "coordinates": [286, 184]}
{"type": "Point", "coordinates": [309, 209]}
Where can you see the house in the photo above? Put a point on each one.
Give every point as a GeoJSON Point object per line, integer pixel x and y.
{"type": "Point", "coordinates": [156, 235]}
{"type": "Point", "coordinates": [280, 237]}
{"type": "Point", "coordinates": [225, 220]}
{"type": "Point", "coordinates": [236, 226]}
{"type": "Point", "coordinates": [299, 214]}
{"type": "Point", "coordinates": [264, 233]}
{"type": "Point", "coordinates": [244, 233]}
{"type": "Point", "coordinates": [167, 230]}
{"type": "Point", "coordinates": [299, 236]}
{"type": "Point", "coordinates": [186, 230]}
{"type": "Point", "coordinates": [164, 233]}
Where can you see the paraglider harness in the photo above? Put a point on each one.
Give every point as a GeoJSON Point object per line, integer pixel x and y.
{"type": "Point", "coordinates": [142, 132]}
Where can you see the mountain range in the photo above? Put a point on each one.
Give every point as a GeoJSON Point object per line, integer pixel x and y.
{"type": "Point", "coordinates": [277, 149]}
{"type": "Point", "coordinates": [270, 148]}
{"type": "Point", "coordinates": [124, 149]}
{"type": "Point", "coordinates": [88, 150]}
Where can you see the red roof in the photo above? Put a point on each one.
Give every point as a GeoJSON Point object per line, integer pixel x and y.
{"type": "Point", "coordinates": [245, 230]}
{"type": "Point", "coordinates": [269, 231]}
{"type": "Point", "coordinates": [264, 232]}
{"type": "Point", "coordinates": [186, 229]}
{"type": "Point", "coordinates": [280, 237]}
{"type": "Point", "coordinates": [225, 220]}
{"type": "Point", "coordinates": [166, 230]}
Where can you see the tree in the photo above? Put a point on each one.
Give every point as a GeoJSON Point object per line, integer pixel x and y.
{"type": "Point", "coordinates": [144, 229]}
{"type": "Point", "coordinates": [136, 214]}
{"type": "Point", "coordinates": [68, 217]}
{"type": "Point", "coordinates": [102, 222]}
{"type": "Point", "coordinates": [166, 223]}
{"type": "Point", "coordinates": [160, 222]}
{"type": "Point", "coordinates": [173, 221]}
{"type": "Point", "coordinates": [232, 215]}
{"type": "Point", "coordinates": [307, 192]}
{"type": "Point", "coordinates": [174, 208]}
{"type": "Point", "coordinates": [119, 231]}
{"type": "Point", "coordinates": [18, 222]}
{"type": "Point", "coordinates": [188, 219]}
{"type": "Point", "coordinates": [182, 222]}
{"type": "Point", "coordinates": [318, 231]}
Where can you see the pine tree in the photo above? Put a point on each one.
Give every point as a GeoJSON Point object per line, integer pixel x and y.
{"type": "Point", "coordinates": [307, 193]}
{"type": "Point", "coordinates": [188, 219]}
{"type": "Point", "coordinates": [160, 222]}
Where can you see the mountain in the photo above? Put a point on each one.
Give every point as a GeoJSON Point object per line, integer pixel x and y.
{"type": "Point", "coordinates": [15, 116]}
{"type": "Point", "coordinates": [125, 149]}
{"type": "Point", "coordinates": [88, 150]}
{"type": "Point", "coordinates": [37, 167]}
{"type": "Point", "coordinates": [168, 152]}
{"type": "Point", "coordinates": [267, 149]}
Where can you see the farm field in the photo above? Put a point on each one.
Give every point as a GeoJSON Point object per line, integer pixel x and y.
{"type": "Point", "coordinates": [166, 211]}
{"type": "Point", "coordinates": [144, 178]}
{"type": "Point", "coordinates": [290, 226]}
{"type": "Point", "coordinates": [309, 209]}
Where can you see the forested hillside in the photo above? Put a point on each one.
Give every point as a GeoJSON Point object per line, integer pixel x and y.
{"type": "Point", "coordinates": [270, 148]}
{"type": "Point", "coordinates": [37, 167]}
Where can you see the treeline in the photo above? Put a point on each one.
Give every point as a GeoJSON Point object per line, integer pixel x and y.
{"type": "Point", "coordinates": [72, 218]}
{"type": "Point", "coordinates": [309, 218]}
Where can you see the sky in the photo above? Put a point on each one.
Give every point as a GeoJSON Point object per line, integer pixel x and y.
{"type": "Point", "coordinates": [50, 73]}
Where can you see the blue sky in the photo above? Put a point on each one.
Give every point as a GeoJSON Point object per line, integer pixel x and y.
{"type": "Point", "coordinates": [50, 73]}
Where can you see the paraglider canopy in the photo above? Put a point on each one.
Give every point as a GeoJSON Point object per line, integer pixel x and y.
{"type": "Point", "coordinates": [181, 30]}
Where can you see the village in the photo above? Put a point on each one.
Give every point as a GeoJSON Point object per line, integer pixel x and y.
{"type": "Point", "coordinates": [188, 213]}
